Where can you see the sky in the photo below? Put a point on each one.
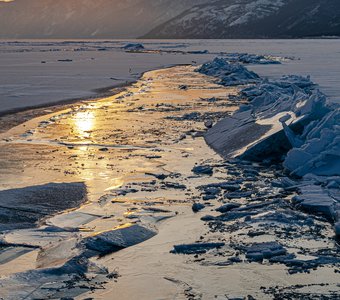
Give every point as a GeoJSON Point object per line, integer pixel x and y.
{"type": "Point", "coordinates": [86, 18]}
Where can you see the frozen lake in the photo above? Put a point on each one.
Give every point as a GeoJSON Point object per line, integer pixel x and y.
{"type": "Point", "coordinates": [139, 175]}
{"type": "Point", "coordinates": [38, 72]}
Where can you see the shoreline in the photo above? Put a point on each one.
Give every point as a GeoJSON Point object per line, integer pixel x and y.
{"type": "Point", "coordinates": [40, 110]}
{"type": "Point", "coordinates": [29, 112]}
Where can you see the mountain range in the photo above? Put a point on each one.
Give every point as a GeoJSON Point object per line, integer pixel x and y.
{"type": "Point", "coordinates": [169, 18]}
{"type": "Point", "coordinates": [254, 19]}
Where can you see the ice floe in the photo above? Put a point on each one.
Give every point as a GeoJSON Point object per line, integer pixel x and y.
{"type": "Point", "coordinates": [25, 207]}
{"type": "Point", "coordinates": [133, 47]}
{"type": "Point", "coordinates": [196, 248]}
{"type": "Point", "coordinates": [66, 270]}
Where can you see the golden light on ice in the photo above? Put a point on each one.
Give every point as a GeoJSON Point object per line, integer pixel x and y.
{"type": "Point", "coordinates": [84, 123]}
{"type": "Point", "coordinates": [117, 183]}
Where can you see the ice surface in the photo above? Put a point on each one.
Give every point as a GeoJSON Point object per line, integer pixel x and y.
{"type": "Point", "coordinates": [25, 81]}
{"type": "Point", "coordinates": [36, 73]}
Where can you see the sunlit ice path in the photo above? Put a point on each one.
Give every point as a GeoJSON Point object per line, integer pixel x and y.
{"type": "Point", "coordinates": [105, 142]}
{"type": "Point", "coordinates": [133, 153]}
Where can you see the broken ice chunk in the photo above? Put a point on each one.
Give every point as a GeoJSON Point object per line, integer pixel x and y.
{"type": "Point", "coordinates": [260, 251]}
{"type": "Point", "coordinates": [196, 248]}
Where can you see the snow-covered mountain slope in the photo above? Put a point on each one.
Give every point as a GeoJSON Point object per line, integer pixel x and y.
{"type": "Point", "coordinates": [254, 19]}
{"type": "Point", "coordinates": [86, 18]}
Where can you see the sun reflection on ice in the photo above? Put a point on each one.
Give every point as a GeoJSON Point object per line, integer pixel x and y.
{"type": "Point", "coordinates": [117, 183]}
{"type": "Point", "coordinates": [84, 123]}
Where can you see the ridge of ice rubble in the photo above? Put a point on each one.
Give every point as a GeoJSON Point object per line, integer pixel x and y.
{"type": "Point", "coordinates": [273, 120]}
{"type": "Point", "coordinates": [229, 73]}
{"type": "Point", "coordinates": [319, 153]}
{"type": "Point", "coordinates": [286, 116]}
{"type": "Point", "coordinates": [287, 120]}
{"type": "Point", "coordinates": [246, 58]}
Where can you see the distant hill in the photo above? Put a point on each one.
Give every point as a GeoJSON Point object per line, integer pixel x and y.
{"type": "Point", "coordinates": [254, 19]}
{"type": "Point", "coordinates": [86, 18]}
